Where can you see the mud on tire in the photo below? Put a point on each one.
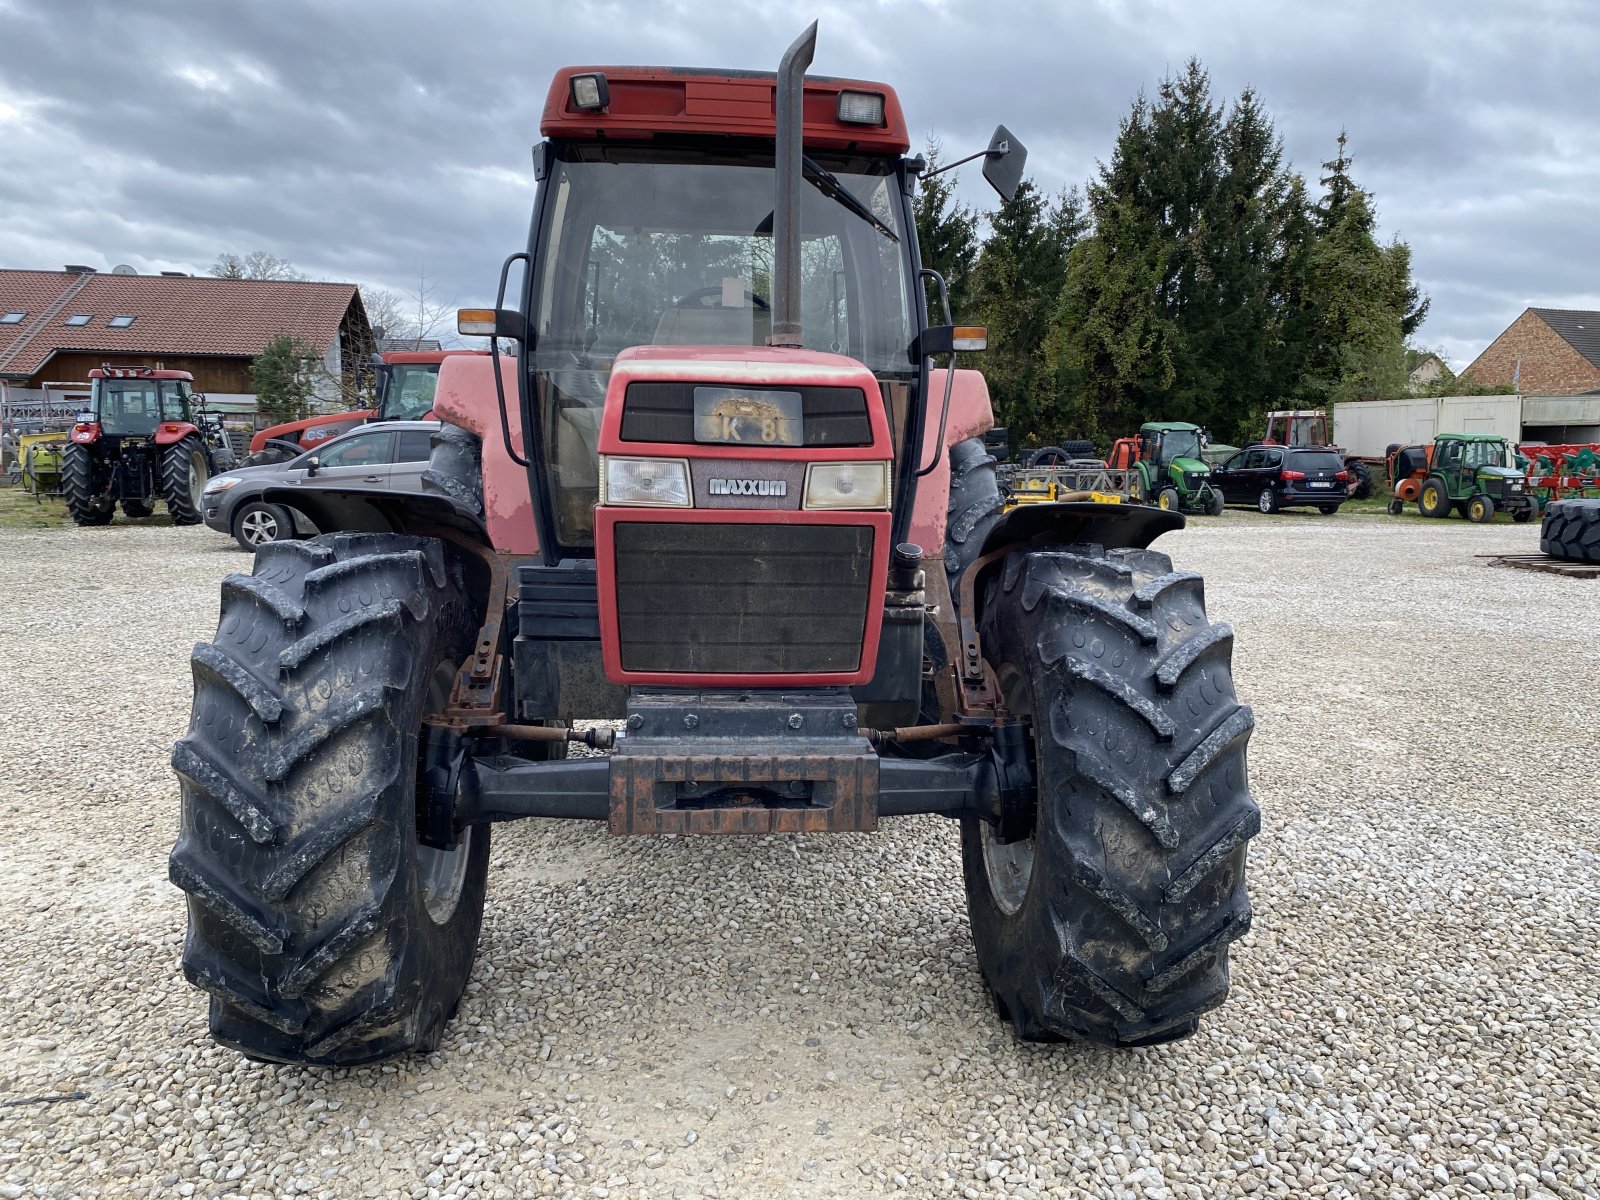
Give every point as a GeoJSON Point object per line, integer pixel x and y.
{"type": "Point", "coordinates": [321, 929]}
{"type": "Point", "coordinates": [1117, 930]}
{"type": "Point", "coordinates": [1571, 530]}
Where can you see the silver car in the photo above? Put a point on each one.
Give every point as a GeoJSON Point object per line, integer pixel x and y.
{"type": "Point", "coordinates": [391, 455]}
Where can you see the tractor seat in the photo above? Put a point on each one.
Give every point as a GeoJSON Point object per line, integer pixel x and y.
{"type": "Point", "coordinates": [694, 325]}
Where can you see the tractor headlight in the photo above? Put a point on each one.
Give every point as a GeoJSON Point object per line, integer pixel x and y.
{"type": "Point", "coordinates": [847, 485]}
{"type": "Point", "coordinates": [648, 482]}
{"type": "Point", "coordinates": [219, 483]}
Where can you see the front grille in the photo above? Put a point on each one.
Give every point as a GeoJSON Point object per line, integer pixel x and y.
{"type": "Point", "coordinates": [757, 599]}
{"type": "Point", "coordinates": [664, 412]}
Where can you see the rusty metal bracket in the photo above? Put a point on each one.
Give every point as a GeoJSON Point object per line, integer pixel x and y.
{"type": "Point", "coordinates": [474, 699]}
{"type": "Point", "coordinates": [976, 686]}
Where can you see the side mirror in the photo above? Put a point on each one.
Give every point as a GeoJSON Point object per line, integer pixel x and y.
{"type": "Point", "coordinates": [1003, 162]}
{"type": "Point", "coordinates": [492, 323]}
{"type": "Point", "coordinates": [312, 465]}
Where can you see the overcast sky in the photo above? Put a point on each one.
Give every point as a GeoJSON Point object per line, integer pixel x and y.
{"type": "Point", "coordinates": [370, 141]}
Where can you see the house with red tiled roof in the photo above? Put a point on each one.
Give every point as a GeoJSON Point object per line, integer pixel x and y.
{"type": "Point", "coordinates": [1545, 351]}
{"type": "Point", "coordinates": [56, 326]}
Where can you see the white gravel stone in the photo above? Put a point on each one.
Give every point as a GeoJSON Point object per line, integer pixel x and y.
{"type": "Point", "coordinates": [1415, 1013]}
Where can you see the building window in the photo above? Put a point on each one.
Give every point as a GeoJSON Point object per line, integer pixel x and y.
{"type": "Point", "coordinates": [119, 322]}
{"type": "Point", "coordinates": [78, 319]}
{"type": "Point", "coordinates": [11, 318]}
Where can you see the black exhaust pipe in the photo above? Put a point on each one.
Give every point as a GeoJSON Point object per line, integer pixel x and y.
{"type": "Point", "coordinates": [787, 183]}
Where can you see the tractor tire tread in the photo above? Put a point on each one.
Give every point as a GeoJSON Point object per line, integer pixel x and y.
{"type": "Point", "coordinates": [1570, 530]}
{"type": "Point", "coordinates": [77, 487]}
{"type": "Point", "coordinates": [1138, 885]}
{"type": "Point", "coordinates": [455, 467]}
{"type": "Point", "coordinates": [181, 506]}
{"type": "Point", "coordinates": [306, 926]}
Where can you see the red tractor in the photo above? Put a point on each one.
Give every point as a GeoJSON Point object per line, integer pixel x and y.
{"type": "Point", "coordinates": [405, 386]}
{"type": "Point", "coordinates": [1309, 427]}
{"type": "Point", "coordinates": [732, 493]}
{"type": "Point", "coordinates": [145, 435]}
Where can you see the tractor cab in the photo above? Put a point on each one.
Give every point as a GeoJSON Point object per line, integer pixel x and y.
{"type": "Point", "coordinates": [1168, 465]}
{"type": "Point", "coordinates": [145, 436]}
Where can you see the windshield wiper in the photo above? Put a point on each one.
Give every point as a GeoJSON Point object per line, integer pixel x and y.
{"type": "Point", "coordinates": [828, 184]}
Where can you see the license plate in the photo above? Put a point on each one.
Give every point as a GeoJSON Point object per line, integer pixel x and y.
{"type": "Point", "coordinates": [738, 417]}
{"type": "Point", "coordinates": [1320, 483]}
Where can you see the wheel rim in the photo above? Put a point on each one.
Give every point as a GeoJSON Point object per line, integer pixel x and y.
{"type": "Point", "coordinates": [1477, 510]}
{"type": "Point", "coordinates": [1009, 868]}
{"type": "Point", "coordinates": [1264, 501]}
{"type": "Point", "coordinates": [197, 478]}
{"type": "Point", "coordinates": [259, 527]}
{"type": "Point", "coordinates": [1164, 501]}
{"type": "Point", "coordinates": [1430, 497]}
{"type": "Point", "coordinates": [441, 874]}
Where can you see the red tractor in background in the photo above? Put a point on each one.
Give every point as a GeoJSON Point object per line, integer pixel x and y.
{"type": "Point", "coordinates": [145, 436]}
{"type": "Point", "coordinates": [405, 386]}
{"type": "Point", "coordinates": [731, 493]}
{"type": "Point", "coordinates": [1309, 427]}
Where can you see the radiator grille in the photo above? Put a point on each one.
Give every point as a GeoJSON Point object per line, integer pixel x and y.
{"type": "Point", "coordinates": [753, 599]}
{"type": "Point", "coordinates": [664, 412]}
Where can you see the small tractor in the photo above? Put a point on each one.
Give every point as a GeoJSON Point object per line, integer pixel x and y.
{"type": "Point", "coordinates": [146, 435]}
{"type": "Point", "coordinates": [1309, 427]}
{"type": "Point", "coordinates": [727, 512]}
{"type": "Point", "coordinates": [406, 380]}
{"type": "Point", "coordinates": [1469, 473]}
{"type": "Point", "coordinates": [1166, 467]}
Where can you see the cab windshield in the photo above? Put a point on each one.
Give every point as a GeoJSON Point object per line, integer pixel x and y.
{"type": "Point", "coordinates": [1483, 454]}
{"type": "Point", "coordinates": [408, 394]}
{"type": "Point", "coordinates": [1177, 443]}
{"type": "Point", "coordinates": [134, 407]}
{"type": "Point", "coordinates": [662, 246]}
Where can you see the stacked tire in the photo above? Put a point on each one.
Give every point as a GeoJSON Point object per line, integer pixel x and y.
{"type": "Point", "coordinates": [1571, 531]}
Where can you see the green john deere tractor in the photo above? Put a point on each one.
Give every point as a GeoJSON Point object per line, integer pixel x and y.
{"type": "Point", "coordinates": [1166, 467]}
{"type": "Point", "coordinates": [1473, 473]}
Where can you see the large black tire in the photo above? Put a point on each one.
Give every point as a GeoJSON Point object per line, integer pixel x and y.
{"type": "Point", "coordinates": [183, 477]}
{"type": "Point", "coordinates": [323, 931]}
{"type": "Point", "coordinates": [455, 467]}
{"type": "Point", "coordinates": [975, 506]}
{"type": "Point", "coordinates": [1360, 479]}
{"type": "Point", "coordinates": [77, 488]}
{"type": "Point", "coordinates": [1117, 930]}
{"type": "Point", "coordinates": [1060, 456]}
{"type": "Point", "coordinates": [1433, 498]}
{"type": "Point", "coordinates": [1571, 530]}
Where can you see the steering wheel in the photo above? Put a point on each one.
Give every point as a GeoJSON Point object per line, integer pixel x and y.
{"type": "Point", "coordinates": [699, 299]}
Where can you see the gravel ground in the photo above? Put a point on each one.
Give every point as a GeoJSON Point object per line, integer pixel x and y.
{"type": "Point", "coordinates": [1414, 1014]}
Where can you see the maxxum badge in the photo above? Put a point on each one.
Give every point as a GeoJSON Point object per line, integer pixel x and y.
{"type": "Point", "coordinates": [748, 487]}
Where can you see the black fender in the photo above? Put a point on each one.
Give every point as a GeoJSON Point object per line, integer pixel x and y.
{"type": "Point", "coordinates": [337, 510]}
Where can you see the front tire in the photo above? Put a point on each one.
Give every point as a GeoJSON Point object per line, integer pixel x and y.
{"type": "Point", "coordinates": [1214, 504]}
{"type": "Point", "coordinates": [1169, 499]}
{"type": "Point", "coordinates": [77, 488]}
{"type": "Point", "coordinates": [1480, 510]}
{"type": "Point", "coordinates": [258, 523]}
{"type": "Point", "coordinates": [324, 932]}
{"type": "Point", "coordinates": [1112, 922]}
{"type": "Point", "coordinates": [183, 479]}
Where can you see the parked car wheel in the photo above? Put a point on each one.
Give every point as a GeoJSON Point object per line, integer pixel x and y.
{"type": "Point", "coordinates": [1327, 510]}
{"type": "Point", "coordinates": [257, 523]}
{"type": "Point", "coordinates": [1267, 501]}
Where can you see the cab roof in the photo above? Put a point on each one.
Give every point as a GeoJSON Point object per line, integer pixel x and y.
{"type": "Point", "coordinates": [647, 102]}
{"type": "Point", "coordinates": [1169, 426]}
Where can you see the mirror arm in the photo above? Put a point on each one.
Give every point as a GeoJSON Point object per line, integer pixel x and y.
{"type": "Point", "coordinates": [940, 170]}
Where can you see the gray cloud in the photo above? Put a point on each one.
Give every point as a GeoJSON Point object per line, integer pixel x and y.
{"type": "Point", "coordinates": [373, 141]}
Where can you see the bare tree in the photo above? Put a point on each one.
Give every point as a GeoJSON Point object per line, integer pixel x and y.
{"type": "Point", "coordinates": [258, 264]}
{"type": "Point", "coordinates": [415, 316]}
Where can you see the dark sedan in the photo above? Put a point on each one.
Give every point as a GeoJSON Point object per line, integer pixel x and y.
{"type": "Point", "coordinates": [1278, 477]}
{"type": "Point", "coordinates": [391, 456]}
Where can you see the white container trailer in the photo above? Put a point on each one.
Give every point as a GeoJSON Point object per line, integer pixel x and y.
{"type": "Point", "coordinates": [1367, 428]}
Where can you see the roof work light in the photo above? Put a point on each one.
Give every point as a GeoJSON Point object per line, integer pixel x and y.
{"type": "Point", "coordinates": [860, 108]}
{"type": "Point", "coordinates": [590, 91]}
